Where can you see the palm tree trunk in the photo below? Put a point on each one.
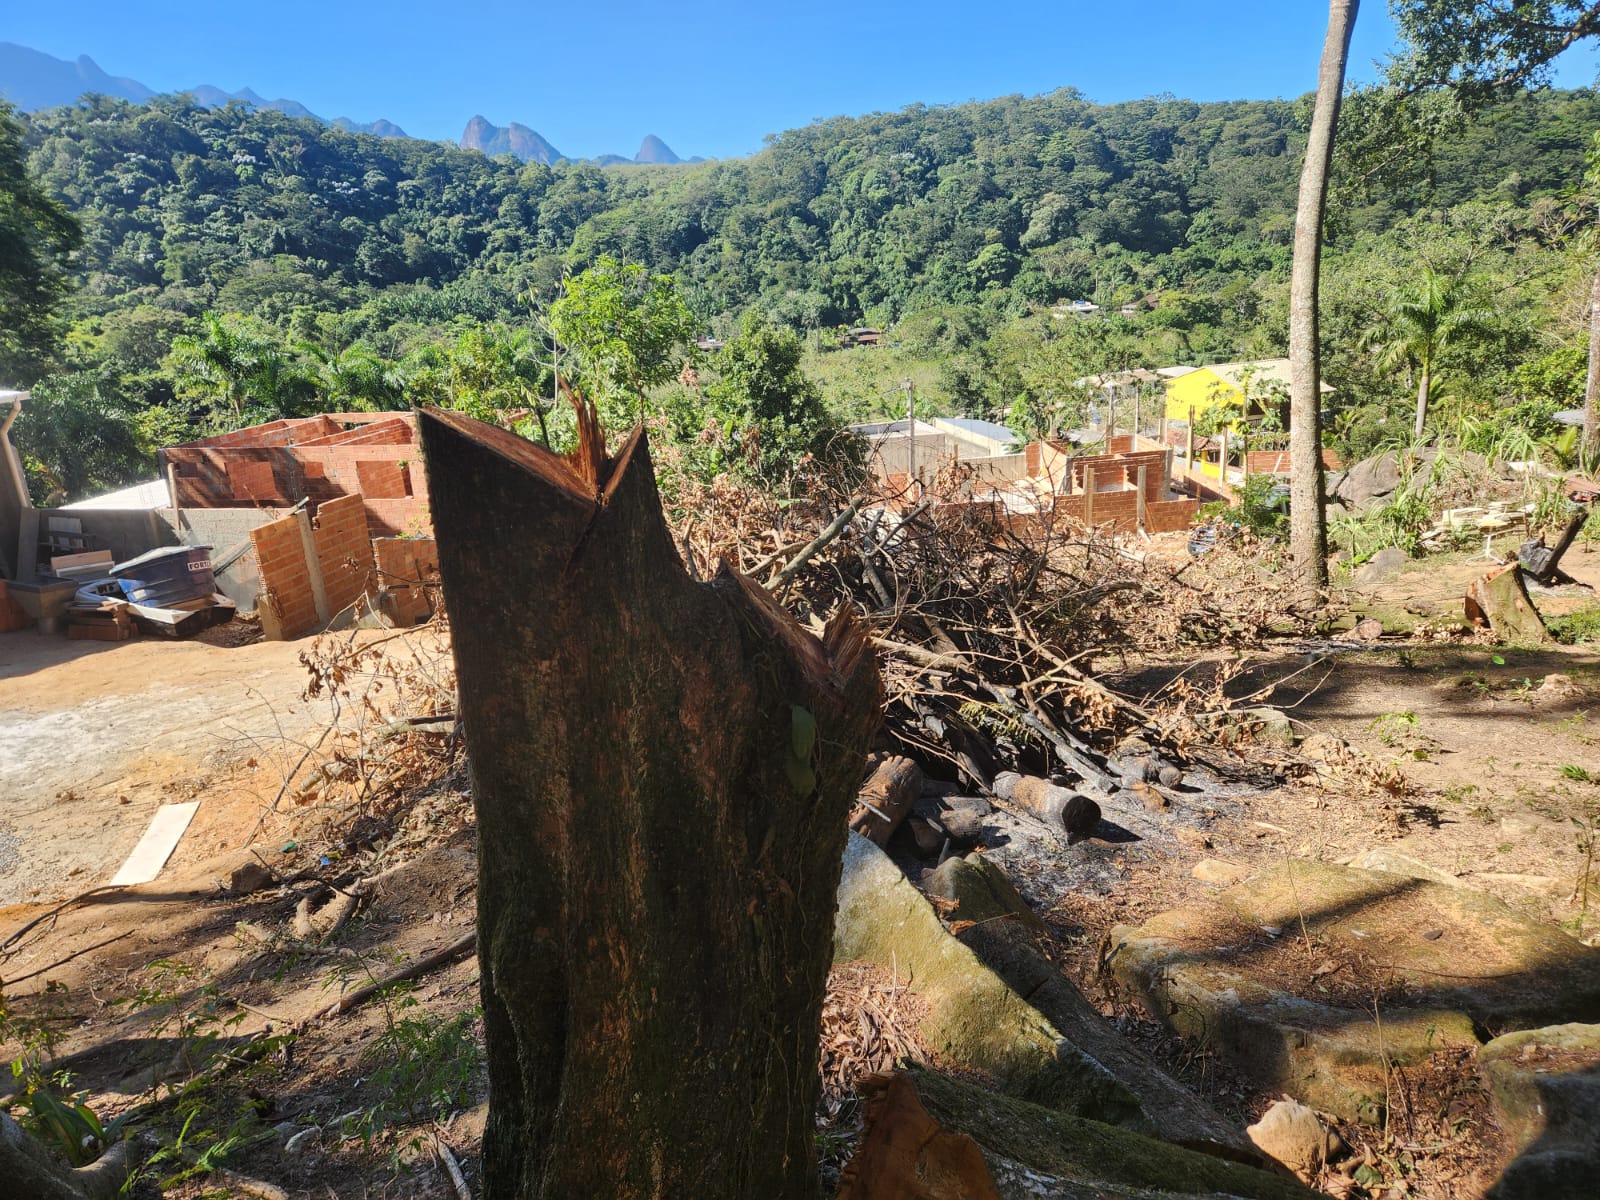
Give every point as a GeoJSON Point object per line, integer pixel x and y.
{"type": "Point", "coordinates": [1308, 527]}
{"type": "Point", "coordinates": [1591, 390]}
{"type": "Point", "coordinates": [1424, 392]}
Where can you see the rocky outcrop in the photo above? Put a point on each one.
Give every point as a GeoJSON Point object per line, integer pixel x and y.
{"type": "Point", "coordinates": [526, 144]}
{"type": "Point", "coordinates": [1318, 979]}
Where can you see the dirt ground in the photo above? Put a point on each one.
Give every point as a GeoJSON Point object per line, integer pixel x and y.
{"type": "Point", "coordinates": [1480, 760]}
{"type": "Point", "coordinates": [94, 736]}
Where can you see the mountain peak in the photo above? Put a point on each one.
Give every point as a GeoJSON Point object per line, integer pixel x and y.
{"type": "Point", "coordinates": [654, 150]}
{"type": "Point", "coordinates": [34, 80]}
{"type": "Point", "coordinates": [482, 134]}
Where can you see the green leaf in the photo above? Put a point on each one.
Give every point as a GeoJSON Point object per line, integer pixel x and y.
{"type": "Point", "coordinates": [802, 732]}
{"type": "Point", "coordinates": [1498, 660]}
{"type": "Point", "coordinates": [801, 776]}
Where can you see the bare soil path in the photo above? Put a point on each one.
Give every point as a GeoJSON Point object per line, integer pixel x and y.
{"type": "Point", "coordinates": [94, 736]}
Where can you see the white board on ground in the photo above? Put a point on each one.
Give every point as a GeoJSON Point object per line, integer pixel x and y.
{"type": "Point", "coordinates": [157, 844]}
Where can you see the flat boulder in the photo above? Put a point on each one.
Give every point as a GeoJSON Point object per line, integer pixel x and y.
{"type": "Point", "coordinates": [1545, 1084]}
{"type": "Point", "coordinates": [1312, 977]}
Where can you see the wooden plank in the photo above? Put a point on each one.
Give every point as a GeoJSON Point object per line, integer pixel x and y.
{"type": "Point", "coordinates": [157, 844]}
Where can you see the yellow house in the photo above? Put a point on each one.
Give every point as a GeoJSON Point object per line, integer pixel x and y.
{"type": "Point", "coordinates": [1254, 388]}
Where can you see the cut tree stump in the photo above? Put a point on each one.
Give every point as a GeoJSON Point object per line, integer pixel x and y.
{"type": "Point", "coordinates": [1500, 600]}
{"type": "Point", "coordinates": [662, 770]}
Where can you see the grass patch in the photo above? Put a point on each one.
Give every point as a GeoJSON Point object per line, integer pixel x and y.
{"type": "Point", "coordinates": [1576, 627]}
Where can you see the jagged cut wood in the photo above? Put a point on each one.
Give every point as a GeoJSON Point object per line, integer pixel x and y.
{"type": "Point", "coordinates": [662, 770]}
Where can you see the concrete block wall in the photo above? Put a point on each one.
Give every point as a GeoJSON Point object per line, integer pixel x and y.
{"type": "Point", "coordinates": [344, 550]}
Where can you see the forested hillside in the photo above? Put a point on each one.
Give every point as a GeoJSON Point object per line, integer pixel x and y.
{"type": "Point", "coordinates": [977, 214]}
{"type": "Point", "coordinates": [1010, 201]}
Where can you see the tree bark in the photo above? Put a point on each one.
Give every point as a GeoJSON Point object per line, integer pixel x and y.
{"type": "Point", "coordinates": [661, 770]}
{"type": "Point", "coordinates": [1424, 392]}
{"type": "Point", "coordinates": [1591, 387]}
{"type": "Point", "coordinates": [1308, 526]}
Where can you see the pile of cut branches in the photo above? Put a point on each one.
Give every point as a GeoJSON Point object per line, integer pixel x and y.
{"type": "Point", "coordinates": [990, 614]}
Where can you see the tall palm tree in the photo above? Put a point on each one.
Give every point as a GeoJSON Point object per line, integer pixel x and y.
{"type": "Point", "coordinates": [356, 377]}
{"type": "Point", "coordinates": [1308, 525]}
{"type": "Point", "coordinates": [218, 363]}
{"type": "Point", "coordinates": [1423, 324]}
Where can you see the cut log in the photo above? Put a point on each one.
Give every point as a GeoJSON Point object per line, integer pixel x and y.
{"type": "Point", "coordinates": [662, 770]}
{"type": "Point", "coordinates": [1057, 806]}
{"type": "Point", "coordinates": [1500, 600]}
{"type": "Point", "coordinates": [886, 798]}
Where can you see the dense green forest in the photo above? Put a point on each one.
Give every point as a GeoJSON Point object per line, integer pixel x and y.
{"type": "Point", "coordinates": [344, 268]}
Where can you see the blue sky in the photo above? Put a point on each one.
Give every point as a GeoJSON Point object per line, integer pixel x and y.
{"type": "Point", "coordinates": [711, 78]}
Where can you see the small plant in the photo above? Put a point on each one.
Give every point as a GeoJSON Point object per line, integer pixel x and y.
{"type": "Point", "coordinates": [1394, 728]}
{"type": "Point", "coordinates": [1578, 774]}
{"type": "Point", "coordinates": [1262, 508]}
{"type": "Point", "coordinates": [423, 1066]}
{"type": "Point", "coordinates": [67, 1122]}
{"type": "Point", "coordinates": [199, 1016]}
{"type": "Point", "coordinates": [197, 1150]}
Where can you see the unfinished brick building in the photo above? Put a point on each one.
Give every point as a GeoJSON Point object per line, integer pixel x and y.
{"type": "Point", "coordinates": [277, 465]}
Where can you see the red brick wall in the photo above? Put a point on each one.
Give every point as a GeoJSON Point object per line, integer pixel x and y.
{"type": "Point", "coordinates": [1120, 511]}
{"type": "Point", "coordinates": [288, 606]}
{"type": "Point", "coordinates": [406, 566]}
{"type": "Point", "coordinates": [1276, 462]}
{"type": "Point", "coordinates": [383, 480]}
{"type": "Point", "coordinates": [344, 550]}
{"type": "Point", "coordinates": [205, 477]}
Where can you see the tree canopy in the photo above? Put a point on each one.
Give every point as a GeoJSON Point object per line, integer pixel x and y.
{"type": "Point", "coordinates": [37, 238]}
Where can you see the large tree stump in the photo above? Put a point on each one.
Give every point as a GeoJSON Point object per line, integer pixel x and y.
{"type": "Point", "coordinates": [661, 770]}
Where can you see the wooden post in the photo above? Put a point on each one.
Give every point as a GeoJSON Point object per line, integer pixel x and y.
{"type": "Point", "coordinates": [1222, 464]}
{"type": "Point", "coordinates": [661, 769]}
{"type": "Point", "coordinates": [1139, 520]}
{"type": "Point", "coordinates": [1191, 437]}
{"type": "Point", "coordinates": [1137, 398]}
{"type": "Point", "coordinates": [1088, 496]}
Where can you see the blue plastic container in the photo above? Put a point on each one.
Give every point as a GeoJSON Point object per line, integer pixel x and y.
{"type": "Point", "coordinates": [166, 577]}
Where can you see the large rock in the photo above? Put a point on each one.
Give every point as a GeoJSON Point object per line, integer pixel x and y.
{"type": "Point", "coordinates": [1366, 484]}
{"type": "Point", "coordinates": [980, 891]}
{"type": "Point", "coordinates": [1545, 1084]}
{"type": "Point", "coordinates": [1294, 1136]}
{"type": "Point", "coordinates": [1385, 564]}
{"type": "Point", "coordinates": [1372, 481]}
{"type": "Point", "coordinates": [1260, 724]}
{"type": "Point", "coordinates": [1444, 961]}
{"type": "Point", "coordinates": [974, 1018]}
